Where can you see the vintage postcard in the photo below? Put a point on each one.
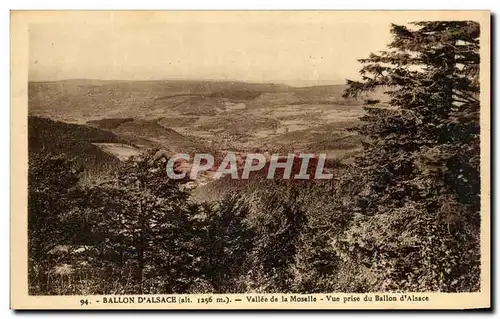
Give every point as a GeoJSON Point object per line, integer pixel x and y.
{"type": "Point", "coordinates": [250, 159]}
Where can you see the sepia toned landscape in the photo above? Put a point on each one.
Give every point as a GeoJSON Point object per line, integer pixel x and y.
{"type": "Point", "coordinates": [400, 132]}
{"type": "Point", "coordinates": [124, 118]}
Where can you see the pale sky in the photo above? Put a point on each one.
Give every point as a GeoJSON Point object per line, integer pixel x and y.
{"type": "Point", "coordinates": [297, 53]}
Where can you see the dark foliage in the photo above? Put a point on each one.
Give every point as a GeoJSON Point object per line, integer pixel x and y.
{"type": "Point", "coordinates": [418, 227]}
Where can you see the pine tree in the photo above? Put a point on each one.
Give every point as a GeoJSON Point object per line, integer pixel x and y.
{"type": "Point", "coordinates": [277, 221]}
{"type": "Point", "coordinates": [419, 210]}
{"type": "Point", "coordinates": [226, 241]}
{"type": "Point", "coordinates": [143, 217]}
{"type": "Point", "coordinates": [53, 193]}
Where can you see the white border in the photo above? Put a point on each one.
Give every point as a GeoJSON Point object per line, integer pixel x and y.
{"type": "Point", "coordinates": [190, 4]}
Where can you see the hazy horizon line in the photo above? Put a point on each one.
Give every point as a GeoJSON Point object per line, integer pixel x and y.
{"type": "Point", "coordinates": [298, 83]}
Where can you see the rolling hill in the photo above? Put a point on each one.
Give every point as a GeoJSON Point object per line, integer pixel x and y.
{"type": "Point", "coordinates": [83, 100]}
{"type": "Point", "coordinates": [75, 141]}
{"type": "Point", "coordinates": [147, 134]}
{"type": "Point", "coordinates": [189, 116]}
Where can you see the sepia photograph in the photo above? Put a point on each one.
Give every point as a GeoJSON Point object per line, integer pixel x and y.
{"type": "Point", "coordinates": [250, 159]}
